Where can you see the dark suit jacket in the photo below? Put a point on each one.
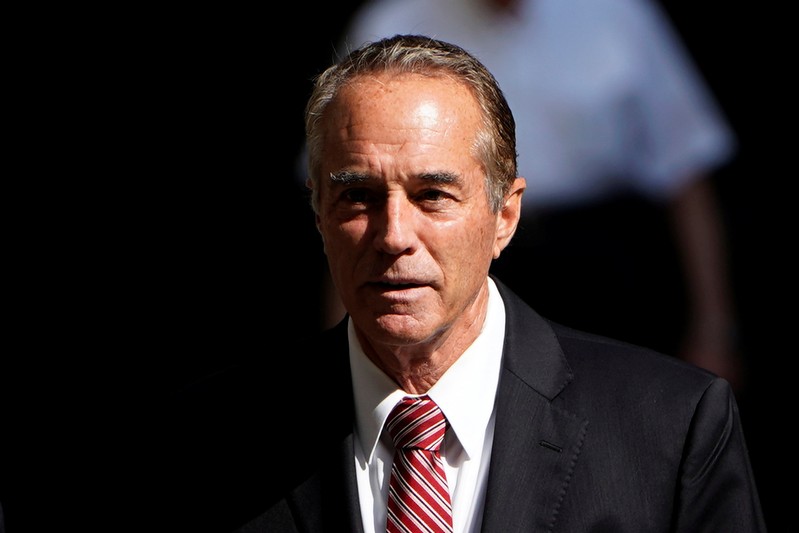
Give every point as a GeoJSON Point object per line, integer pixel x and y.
{"type": "Point", "coordinates": [591, 434]}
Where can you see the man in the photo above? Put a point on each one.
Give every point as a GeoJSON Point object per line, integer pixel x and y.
{"type": "Point", "coordinates": [413, 173]}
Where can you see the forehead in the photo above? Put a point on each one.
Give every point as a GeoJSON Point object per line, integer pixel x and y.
{"type": "Point", "coordinates": [392, 98]}
{"type": "Point", "coordinates": [392, 83]}
{"type": "Point", "coordinates": [395, 111]}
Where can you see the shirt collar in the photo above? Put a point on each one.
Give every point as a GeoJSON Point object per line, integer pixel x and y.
{"type": "Point", "coordinates": [465, 393]}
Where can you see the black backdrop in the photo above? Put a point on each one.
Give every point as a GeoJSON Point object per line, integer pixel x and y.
{"type": "Point", "coordinates": [172, 237]}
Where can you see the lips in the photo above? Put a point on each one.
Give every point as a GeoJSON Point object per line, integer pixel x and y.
{"type": "Point", "coordinates": [398, 284]}
{"type": "Point", "coordinates": [394, 278]}
{"type": "Point", "coordinates": [387, 282]}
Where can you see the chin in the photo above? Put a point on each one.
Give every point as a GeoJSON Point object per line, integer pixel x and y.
{"type": "Point", "coordinates": [398, 329]}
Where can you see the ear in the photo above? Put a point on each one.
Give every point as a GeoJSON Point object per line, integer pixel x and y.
{"type": "Point", "coordinates": [508, 217]}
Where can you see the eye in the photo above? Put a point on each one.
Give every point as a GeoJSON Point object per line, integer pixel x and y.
{"type": "Point", "coordinates": [358, 196]}
{"type": "Point", "coordinates": [432, 195]}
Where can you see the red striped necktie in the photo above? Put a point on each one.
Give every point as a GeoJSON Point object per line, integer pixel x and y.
{"type": "Point", "coordinates": [418, 497]}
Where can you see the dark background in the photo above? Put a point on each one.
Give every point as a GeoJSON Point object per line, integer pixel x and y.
{"type": "Point", "coordinates": [167, 236]}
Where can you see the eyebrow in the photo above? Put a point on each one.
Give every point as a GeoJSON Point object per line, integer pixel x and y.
{"type": "Point", "coordinates": [348, 177]}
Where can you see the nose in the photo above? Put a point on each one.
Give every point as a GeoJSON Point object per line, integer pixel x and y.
{"type": "Point", "coordinates": [396, 233]}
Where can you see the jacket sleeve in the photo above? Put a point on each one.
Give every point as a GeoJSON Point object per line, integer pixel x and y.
{"type": "Point", "coordinates": [717, 490]}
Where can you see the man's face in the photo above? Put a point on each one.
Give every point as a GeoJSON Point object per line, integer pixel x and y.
{"type": "Point", "coordinates": [404, 214]}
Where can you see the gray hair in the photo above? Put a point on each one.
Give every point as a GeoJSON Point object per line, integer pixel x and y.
{"type": "Point", "coordinates": [495, 145]}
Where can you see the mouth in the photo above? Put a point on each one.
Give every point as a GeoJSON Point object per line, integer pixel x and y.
{"type": "Point", "coordinates": [397, 283]}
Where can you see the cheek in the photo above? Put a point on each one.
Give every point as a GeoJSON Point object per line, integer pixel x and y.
{"type": "Point", "coordinates": [341, 238]}
{"type": "Point", "coordinates": [470, 249]}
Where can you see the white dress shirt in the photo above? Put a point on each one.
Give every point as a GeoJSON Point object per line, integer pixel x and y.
{"type": "Point", "coordinates": [465, 394]}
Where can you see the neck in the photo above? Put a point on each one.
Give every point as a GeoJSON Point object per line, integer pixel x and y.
{"type": "Point", "coordinates": [419, 366]}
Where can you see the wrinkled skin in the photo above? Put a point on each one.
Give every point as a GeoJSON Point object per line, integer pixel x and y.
{"type": "Point", "coordinates": [406, 223]}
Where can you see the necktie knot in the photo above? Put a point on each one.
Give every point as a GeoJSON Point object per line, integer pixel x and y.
{"type": "Point", "coordinates": [417, 423]}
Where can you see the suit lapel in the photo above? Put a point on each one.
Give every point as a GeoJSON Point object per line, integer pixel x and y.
{"type": "Point", "coordinates": [536, 443]}
{"type": "Point", "coordinates": [328, 501]}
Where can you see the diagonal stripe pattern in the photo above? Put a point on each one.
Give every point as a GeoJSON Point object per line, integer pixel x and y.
{"type": "Point", "coordinates": [418, 497]}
